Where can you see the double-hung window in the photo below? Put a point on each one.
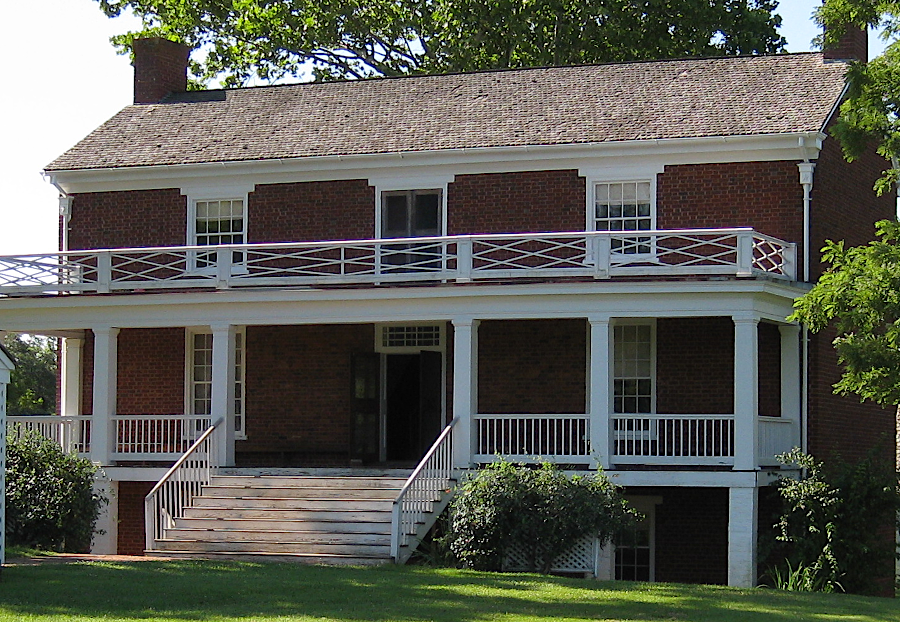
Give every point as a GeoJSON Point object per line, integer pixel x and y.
{"type": "Point", "coordinates": [634, 379]}
{"type": "Point", "coordinates": [215, 222]}
{"type": "Point", "coordinates": [411, 214]}
{"type": "Point", "coordinates": [625, 206]}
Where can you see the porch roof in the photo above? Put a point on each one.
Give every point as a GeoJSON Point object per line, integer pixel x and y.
{"type": "Point", "coordinates": [693, 98]}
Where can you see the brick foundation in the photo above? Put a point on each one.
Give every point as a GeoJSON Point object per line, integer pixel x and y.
{"type": "Point", "coordinates": [130, 540]}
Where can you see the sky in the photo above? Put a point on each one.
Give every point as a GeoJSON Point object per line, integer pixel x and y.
{"type": "Point", "coordinates": [64, 79]}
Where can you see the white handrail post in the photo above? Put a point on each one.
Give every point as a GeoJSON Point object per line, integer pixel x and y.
{"type": "Point", "coordinates": [602, 251]}
{"type": "Point", "coordinates": [464, 260]}
{"type": "Point", "coordinates": [395, 531]}
{"type": "Point", "coordinates": [789, 260]}
{"type": "Point", "coordinates": [104, 272]}
{"type": "Point", "coordinates": [223, 267]}
{"type": "Point", "coordinates": [744, 253]}
{"type": "Point", "coordinates": [746, 392]}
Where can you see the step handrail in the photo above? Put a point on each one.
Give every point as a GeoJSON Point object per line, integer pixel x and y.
{"type": "Point", "coordinates": [425, 487]}
{"type": "Point", "coordinates": [177, 488]}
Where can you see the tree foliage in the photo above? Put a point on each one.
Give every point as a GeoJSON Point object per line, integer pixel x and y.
{"type": "Point", "coordinates": [50, 498]}
{"type": "Point", "coordinates": [32, 387]}
{"type": "Point", "coordinates": [869, 115]}
{"type": "Point", "coordinates": [859, 294]}
{"type": "Point", "coordinates": [273, 39]}
{"type": "Point", "coordinates": [835, 523]}
{"type": "Point", "coordinates": [539, 511]}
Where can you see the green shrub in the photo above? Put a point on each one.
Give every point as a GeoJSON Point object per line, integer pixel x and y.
{"type": "Point", "coordinates": [837, 523]}
{"type": "Point", "coordinates": [541, 511]}
{"type": "Point", "coordinates": [50, 499]}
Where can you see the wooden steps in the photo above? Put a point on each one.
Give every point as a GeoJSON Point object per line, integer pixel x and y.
{"type": "Point", "coordinates": [313, 517]}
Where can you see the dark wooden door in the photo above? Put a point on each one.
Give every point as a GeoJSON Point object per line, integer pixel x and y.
{"type": "Point", "coordinates": [430, 402]}
{"type": "Point", "coordinates": [365, 402]}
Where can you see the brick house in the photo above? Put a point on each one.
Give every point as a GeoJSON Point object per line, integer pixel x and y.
{"type": "Point", "coordinates": [588, 264]}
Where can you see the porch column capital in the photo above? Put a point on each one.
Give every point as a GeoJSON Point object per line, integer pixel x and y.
{"type": "Point", "coordinates": [106, 331]}
{"type": "Point", "coordinates": [465, 322]}
{"type": "Point", "coordinates": [745, 319]}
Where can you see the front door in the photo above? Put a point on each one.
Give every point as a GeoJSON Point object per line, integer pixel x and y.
{"type": "Point", "coordinates": [411, 407]}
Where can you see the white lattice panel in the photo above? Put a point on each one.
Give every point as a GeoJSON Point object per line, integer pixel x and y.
{"type": "Point", "coordinates": [581, 557]}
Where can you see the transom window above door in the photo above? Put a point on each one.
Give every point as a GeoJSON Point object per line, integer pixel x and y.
{"type": "Point", "coordinates": [411, 214]}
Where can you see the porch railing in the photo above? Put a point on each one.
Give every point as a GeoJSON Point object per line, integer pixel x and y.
{"type": "Point", "coordinates": [428, 485]}
{"type": "Point", "coordinates": [672, 439]}
{"type": "Point", "coordinates": [73, 434]}
{"type": "Point", "coordinates": [593, 254]}
{"type": "Point", "coordinates": [155, 437]}
{"type": "Point", "coordinates": [179, 486]}
{"type": "Point", "coordinates": [776, 436]}
{"type": "Point", "coordinates": [523, 438]}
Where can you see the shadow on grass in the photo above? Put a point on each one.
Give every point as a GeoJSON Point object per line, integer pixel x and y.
{"type": "Point", "coordinates": [246, 591]}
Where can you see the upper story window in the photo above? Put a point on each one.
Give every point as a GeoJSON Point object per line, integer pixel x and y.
{"type": "Point", "coordinates": [214, 222]}
{"type": "Point", "coordinates": [411, 214]}
{"type": "Point", "coordinates": [624, 206]}
{"type": "Point", "coordinates": [633, 369]}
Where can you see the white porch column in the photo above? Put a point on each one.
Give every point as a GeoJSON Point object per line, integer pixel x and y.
{"type": "Point", "coordinates": [106, 531]}
{"type": "Point", "coordinates": [790, 379]}
{"type": "Point", "coordinates": [104, 392]}
{"type": "Point", "coordinates": [465, 389]}
{"type": "Point", "coordinates": [599, 376]}
{"type": "Point", "coordinates": [223, 390]}
{"type": "Point", "coordinates": [746, 393]}
{"type": "Point", "coordinates": [70, 377]}
{"type": "Point", "coordinates": [6, 366]}
{"type": "Point", "coordinates": [743, 508]}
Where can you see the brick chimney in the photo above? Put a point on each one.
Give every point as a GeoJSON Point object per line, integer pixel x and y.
{"type": "Point", "coordinates": [854, 45]}
{"type": "Point", "coordinates": [160, 68]}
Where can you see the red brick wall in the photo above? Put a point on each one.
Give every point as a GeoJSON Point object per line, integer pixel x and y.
{"type": "Point", "coordinates": [87, 374]}
{"type": "Point", "coordinates": [532, 366]}
{"type": "Point", "coordinates": [769, 370]}
{"type": "Point", "coordinates": [516, 202]}
{"type": "Point", "coordinates": [160, 68]}
{"type": "Point", "coordinates": [764, 195]}
{"type": "Point", "coordinates": [150, 371]}
{"type": "Point", "coordinates": [298, 390]}
{"type": "Point", "coordinates": [844, 206]}
{"type": "Point", "coordinates": [128, 219]}
{"type": "Point", "coordinates": [695, 365]}
{"type": "Point", "coordinates": [691, 534]}
{"type": "Point", "coordinates": [309, 211]}
{"type": "Point", "coordinates": [130, 537]}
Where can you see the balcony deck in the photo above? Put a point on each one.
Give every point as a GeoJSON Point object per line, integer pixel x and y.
{"type": "Point", "coordinates": [737, 252]}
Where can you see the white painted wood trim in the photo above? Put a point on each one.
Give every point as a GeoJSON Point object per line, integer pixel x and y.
{"type": "Point", "coordinates": [743, 510]}
{"type": "Point", "coordinates": [104, 392]}
{"type": "Point", "coordinates": [746, 392]}
{"type": "Point", "coordinates": [70, 377]}
{"type": "Point", "coordinates": [465, 389]}
{"type": "Point", "coordinates": [106, 531]}
{"type": "Point", "coordinates": [223, 390]}
{"type": "Point", "coordinates": [600, 388]}
{"type": "Point", "coordinates": [791, 378]}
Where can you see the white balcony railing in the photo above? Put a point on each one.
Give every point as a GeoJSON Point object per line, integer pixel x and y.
{"type": "Point", "coordinates": [73, 434]}
{"type": "Point", "coordinates": [673, 439]}
{"type": "Point", "coordinates": [777, 435]}
{"type": "Point", "coordinates": [689, 252]}
{"type": "Point", "coordinates": [156, 437]}
{"type": "Point", "coordinates": [524, 438]}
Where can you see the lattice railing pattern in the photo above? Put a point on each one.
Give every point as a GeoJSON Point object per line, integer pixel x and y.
{"type": "Point", "coordinates": [594, 254]}
{"type": "Point", "coordinates": [580, 557]}
{"type": "Point", "coordinates": [673, 439]}
{"type": "Point", "coordinates": [522, 437]}
{"type": "Point", "coordinates": [72, 434]}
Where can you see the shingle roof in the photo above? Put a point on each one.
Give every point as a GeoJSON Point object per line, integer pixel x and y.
{"type": "Point", "coordinates": [544, 106]}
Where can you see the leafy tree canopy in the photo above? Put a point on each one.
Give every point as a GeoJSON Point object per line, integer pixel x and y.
{"type": "Point", "coordinates": [870, 113]}
{"type": "Point", "coordinates": [32, 387]}
{"type": "Point", "coordinates": [860, 294]}
{"type": "Point", "coordinates": [345, 39]}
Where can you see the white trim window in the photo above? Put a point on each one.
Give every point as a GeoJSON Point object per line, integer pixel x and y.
{"type": "Point", "coordinates": [199, 377]}
{"type": "Point", "coordinates": [625, 206]}
{"type": "Point", "coordinates": [412, 214]}
{"type": "Point", "coordinates": [635, 549]}
{"type": "Point", "coordinates": [634, 368]}
{"type": "Point", "coordinates": [212, 222]}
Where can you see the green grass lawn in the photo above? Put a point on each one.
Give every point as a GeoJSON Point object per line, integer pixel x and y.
{"type": "Point", "coordinates": [191, 591]}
